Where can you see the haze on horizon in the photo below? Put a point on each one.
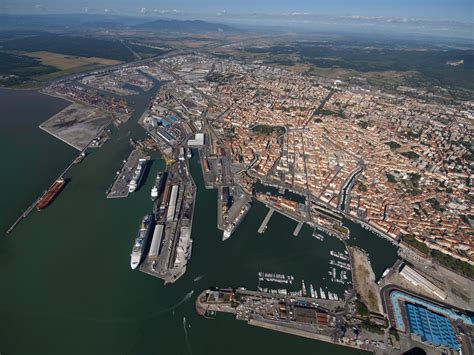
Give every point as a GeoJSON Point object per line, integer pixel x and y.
{"type": "Point", "coordinates": [450, 10]}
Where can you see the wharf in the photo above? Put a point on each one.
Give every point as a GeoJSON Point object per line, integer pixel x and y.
{"type": "Point", "coordinates": [168, 262]}
{"type": "Point", "coordinates": [119, 188]}
{"type": "Point", "coordinates": [31, 207]}
{"type": "Point", "coordinates": [297, 229]}
{"type": "Point", "coordinates": [263, 226]}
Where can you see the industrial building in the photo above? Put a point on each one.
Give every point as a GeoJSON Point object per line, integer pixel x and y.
{"type": "Point", "coordinates": [418, 280]}
{"type": "Point", "coordinates": [172, 205]}
{"type": "Point", "coordinates": [156, 241]}
{"type": "Point", "coordinates": [311, 315]}
{"type": "Point", "coordinates": [432, 327]}
{"type": "Point", "coordinates": [197, 141]}
{"type": "Point", "coordinates": [183, 250]}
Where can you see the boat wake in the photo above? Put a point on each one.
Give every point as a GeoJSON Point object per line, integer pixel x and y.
{"type": "Point", "coordinates": [200, 277]}
{"type": "Point", "coordinates": [188, 345]}
{"type": "Point", "coordinates": [173, 307]}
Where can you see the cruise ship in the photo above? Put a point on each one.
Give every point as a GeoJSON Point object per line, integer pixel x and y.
{"type": "Point", "coordinates": [137, 175]}
{"type": "Point", "coordinates": [156, 188]}
{"type": "Point", "coordinates": [141, 241]}
{"type": "Point", "coordinates": [232, 226]}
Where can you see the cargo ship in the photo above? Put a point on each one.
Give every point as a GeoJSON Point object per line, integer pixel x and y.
{"type": "Point", "coordinates": [49, 196]}
{"type": "Point", "coordinates": [137, 175]}
{"type": "Point", "coordinates": [156, 188]}
{"type": "Point", "coordinates": [140, 242]}
{"type": "Point", "coordinates": [232, 226]}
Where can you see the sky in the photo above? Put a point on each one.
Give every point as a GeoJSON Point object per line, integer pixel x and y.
{"type": "Point", "coordinates": [454, 10]}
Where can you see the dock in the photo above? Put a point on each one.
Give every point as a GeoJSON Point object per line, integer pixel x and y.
{"type": "Point", "coordinates": [297, 229]}
{"type": "Point", "coordinates": [31, 207]}
{"type": "Point", "coordinates": [119, 188]}
{"type": "Point", "coordinates": [171, 245]}
{"type": "Point", "coordinates": [263, 226]}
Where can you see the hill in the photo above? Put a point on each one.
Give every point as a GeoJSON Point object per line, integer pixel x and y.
{"type": "Point", "coordinates": [183, 26]}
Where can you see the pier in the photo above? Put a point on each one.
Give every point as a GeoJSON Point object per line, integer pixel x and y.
{"type": "Point", "coordinates": [297, 229]}
{"type": "Point", "coordinates": [263, 226]}
{"type": "Point", "coordinates": [31, 207]}
{"type": "Point", "coordinates": [119, 188]}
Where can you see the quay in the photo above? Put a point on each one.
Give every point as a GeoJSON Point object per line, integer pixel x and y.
{"type": "Point", "coordinates": [263, 226]}
{"type": "Point", "coordinates": [297, 229]}
{"type": "Point", "coordinates": [303, 316]}
{"type": "Point", "coordinates": [171, 244]}
{"type": "Point", "coordinates": [119, 188]}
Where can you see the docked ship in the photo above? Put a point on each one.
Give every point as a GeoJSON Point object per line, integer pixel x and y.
{"type": "Point", "coordinates": [49, 196]}
{"type": "Point", "coordinates": [156, 188]}
{"type": "Point", "coordinates": [137, 175]}
{"type": "Point", "coordinates": [80, 158]}
{"type": "Point", "coordinates": [140, 242]}
{"type": "Point", "coordinates": [232, 226]}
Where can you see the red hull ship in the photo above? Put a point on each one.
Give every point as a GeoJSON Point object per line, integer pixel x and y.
{"type": "Point", "coordinates": [49, 196]}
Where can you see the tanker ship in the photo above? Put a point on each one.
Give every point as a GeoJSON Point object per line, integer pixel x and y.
{"type": "Point", "coordinates": [49, 196]}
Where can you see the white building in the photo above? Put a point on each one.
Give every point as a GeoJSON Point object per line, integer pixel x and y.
{"type": "Point", "coordinates": [198, 140]}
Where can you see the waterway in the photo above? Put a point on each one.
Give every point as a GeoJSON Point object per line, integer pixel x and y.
{"type": "Point", "coordinates": [67, 286]}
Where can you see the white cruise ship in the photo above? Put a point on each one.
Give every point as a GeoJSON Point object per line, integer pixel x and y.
{"type": "Point", "coordinates": [155, 188]}
{"type": "Point", "coordinates": [140, 242]}
{"type": "Point", "coordinates": [137, 175]}
{"type": "Point", "coordinates": [232, 226]}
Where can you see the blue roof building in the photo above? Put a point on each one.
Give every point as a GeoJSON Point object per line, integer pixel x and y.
{"type": "Point", "coordinates": [431, 327]}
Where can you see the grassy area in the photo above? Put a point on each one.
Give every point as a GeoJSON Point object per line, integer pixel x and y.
{"type": "Point", "coordinates": [59, 73]}
{"type": "Point", "coordinates": [268, 130]}
{"type": "Point", "coordinates": [393, 145]}
{"type": "Point", "coordinates": [30, 69]}
{"type": "Point", "coordinates": [409, 239]}
{"type": "Point", "coordinates": [362, 309]}
{"type": "Point", "coordinates": [391, 178]}
{"type": "Point", "coordinates": [413, 184]}
{"type": "Point", "coordinates": [448, 261]}
{"type": "Point", "coordinates": [452, 263]}
{"type": "Point", "coordinates": [70, 45]}
{"type": "Point", "coordinates": [20, 68]}
{"type": "Point", "coordinates": [65, 62]}
{"type": "Point", "coordinates": [410, 155]}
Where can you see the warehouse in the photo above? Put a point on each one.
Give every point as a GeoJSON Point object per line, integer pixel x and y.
{"type": "Point", "coordinates": [432, 328]}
